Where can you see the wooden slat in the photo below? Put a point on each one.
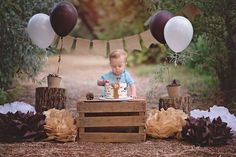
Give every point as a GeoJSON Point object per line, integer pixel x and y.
{"type": "Point", "coordinates": [111, 107]}
{"type": "Point", "coordinates": [112, 137]}
{"type": "Point", "coordinates": [111, 121]}
{"type": "Point", "coordinates": [113, 129]}
{"type": "Point", "coordinates": [81, 129]}
{"type": "Point", "coordinates": [142, 128]}
{"type": "Point", "coordinates": [84, 99]}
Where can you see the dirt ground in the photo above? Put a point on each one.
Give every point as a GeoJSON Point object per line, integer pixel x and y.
{"type": "Point", "coordinates": [79, 74]}
{"type": "Point", "coordinates": [150, 148]}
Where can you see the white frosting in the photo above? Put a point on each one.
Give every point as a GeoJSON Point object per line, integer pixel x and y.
{"type": "Point", "coordinates": [122, 91]}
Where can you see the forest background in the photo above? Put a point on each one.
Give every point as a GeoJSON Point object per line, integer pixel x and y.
{"type": "Point", "coordinates": [211, 55]}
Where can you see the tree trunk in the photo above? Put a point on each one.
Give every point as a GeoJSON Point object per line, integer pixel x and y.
{"type": "Point", "coordinates": [47, 98]}
{"type": "Point", "coordinates": [181, 102]}
{"type": "Point", "coordinates": [227, 76]}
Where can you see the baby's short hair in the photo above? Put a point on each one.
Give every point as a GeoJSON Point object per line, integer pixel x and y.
{"type": "Point", "coordinates": [117, 53]}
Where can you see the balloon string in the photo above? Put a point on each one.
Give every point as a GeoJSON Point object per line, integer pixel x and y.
{"type": "Point", "coordinates": [175, 59]}
{"type": "Point", "coordinates": [46, 54]}
{"type": "Point", "coordinates": [59, 58]}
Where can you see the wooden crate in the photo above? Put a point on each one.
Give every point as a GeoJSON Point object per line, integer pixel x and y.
{"type": "Point", "coordinates": [111, 121]}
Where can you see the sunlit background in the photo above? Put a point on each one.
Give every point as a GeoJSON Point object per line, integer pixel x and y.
{"type": "Point", "coordinates": [110, 19]}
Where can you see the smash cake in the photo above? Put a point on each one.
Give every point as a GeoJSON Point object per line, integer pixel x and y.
{"type": "Point", "coordinates": [116, 90]}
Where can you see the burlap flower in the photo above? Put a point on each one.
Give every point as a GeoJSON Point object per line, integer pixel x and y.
{"type": "Point", "coordinates": [165, 123]}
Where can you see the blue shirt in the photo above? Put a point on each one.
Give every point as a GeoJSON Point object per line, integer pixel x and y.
{"type": "Point", "coordinates": [125, 77]}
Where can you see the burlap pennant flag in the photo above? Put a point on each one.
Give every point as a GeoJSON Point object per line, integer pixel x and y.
{"type": "Point", "coordinates": [82, 46]}
{"type": "Point", "coordinates": [116, 44]}
{"type": "Point", "coordinates": [132, 43]}
{"type": "Point", "coordinates": [99, 47]}
{"type": "Point", "coordinates": [148, 39]}
{"type": "Point", "coordinates": [67, 44]}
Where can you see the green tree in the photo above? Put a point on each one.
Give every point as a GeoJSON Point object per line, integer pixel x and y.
{"type": "Point", "coordinates": [109, 19]}
{"type": "Point", "coordinates": [19, 57]}
{"type": "Point", "coordinates": [218, 25]}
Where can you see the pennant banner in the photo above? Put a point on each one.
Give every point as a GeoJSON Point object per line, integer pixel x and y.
{"type": "Point", "coordinates": [100, 47]}
{"type": "Point", "coordinates": [82, 46]}
{"type": "Point", "coordinates": [67, 44]}
{"type": "Point", "coordinates": [116, 44]}
{"type": "Point", "coordinates": [132, 42]}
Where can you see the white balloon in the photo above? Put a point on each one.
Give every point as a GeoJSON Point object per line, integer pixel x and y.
{"type": "Point", "coordinates": [178, 33]}
{"type": "Point", "coordinates": [40, 30]}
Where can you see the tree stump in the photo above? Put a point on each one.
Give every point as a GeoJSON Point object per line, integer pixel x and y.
{"type": "Point", "coordinates": [47, 98]}
{"type": "Point", "coordinates": [181, 102]}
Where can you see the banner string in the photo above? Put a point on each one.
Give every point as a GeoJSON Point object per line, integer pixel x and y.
{"type": "Point", "coordinates": [108, 49]}
{"type": "Point", "coordinates": [91, 45]}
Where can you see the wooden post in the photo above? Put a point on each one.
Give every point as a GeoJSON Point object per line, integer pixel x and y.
{"type": "Point", "coordinates": [181, 102]}
{"type": "Point", "coordinates": [47, 98]}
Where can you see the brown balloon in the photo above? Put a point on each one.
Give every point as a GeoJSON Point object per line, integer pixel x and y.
{"type": "Point", "coordinates": [158, 23]}
{"type": "Point", "coordinates": [63, 18]}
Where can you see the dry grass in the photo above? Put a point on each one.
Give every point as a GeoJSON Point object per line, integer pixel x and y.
{"type": "Point", "coordinates": [150, 148]}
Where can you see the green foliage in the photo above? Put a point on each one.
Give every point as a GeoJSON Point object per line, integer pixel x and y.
{"type": "Point", "coordinates": [106, 19]}
{"type": "Point", "coordinates": [9, 95]}
{"type": "Point", "coordinates": [136, 57]}
{"type": "Point", "coordinates": [198, 84]}
{"type": "Point", "coordinates": [19, 57]}
{"type": "Point", "coordinates": [3, 96]}
{"type": "Point", "coordinates": [196, 56]}
{"type": "Point", "coordinates": [151, 55]}
{"type": "Point", "coordinates": [217, 25]}
{"type": "Point", "coordinates": [209, 42]}
{"type": "Point", "coordinates": [199, 58]}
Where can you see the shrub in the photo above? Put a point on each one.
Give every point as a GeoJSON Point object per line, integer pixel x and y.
{"type": "Point", "coordinates": [19, 57]}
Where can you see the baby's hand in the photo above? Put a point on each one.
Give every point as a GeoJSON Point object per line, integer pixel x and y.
{"type": "Point", "coordinates": [103, 82]}
{"type": "Point", "coordinates": [106, 81]}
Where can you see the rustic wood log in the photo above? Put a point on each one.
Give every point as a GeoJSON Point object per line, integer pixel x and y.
{"type": "Point", "coordinates": [47, 98]}
{"type": "Point", "coordinates": [181, 102]}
